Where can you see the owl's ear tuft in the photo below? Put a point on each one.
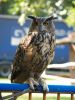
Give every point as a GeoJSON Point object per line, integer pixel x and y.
{"type": "Point", "coordinates": [32, 17]}
{"type": "Point", "coordinates": [51, 18]}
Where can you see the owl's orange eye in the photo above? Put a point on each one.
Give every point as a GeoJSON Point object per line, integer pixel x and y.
{"type": "Point", "coordinates": [45, 23]}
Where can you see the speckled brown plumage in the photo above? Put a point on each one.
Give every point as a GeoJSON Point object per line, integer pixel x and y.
{"type": "Point", "coordinates": [35, 51]}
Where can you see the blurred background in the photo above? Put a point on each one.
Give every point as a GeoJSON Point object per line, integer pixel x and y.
{"type": "Point", "coordinates": [14, 25]}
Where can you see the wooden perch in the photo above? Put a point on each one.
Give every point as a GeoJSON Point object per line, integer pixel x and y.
{"type": "Point", "coordinates": [64, 41]}
{"type": "Point", "coordinates": [64, 65]}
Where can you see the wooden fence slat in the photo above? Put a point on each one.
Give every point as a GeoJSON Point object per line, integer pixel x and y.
{"type": "Point", "coordinates": [30, 96]}
{"type": "Point", "coordinates": [44, 96]}
{"type": "Point", "coordinates": [58, 96]}
{"type": "Point", "coordinates": [72, 96]}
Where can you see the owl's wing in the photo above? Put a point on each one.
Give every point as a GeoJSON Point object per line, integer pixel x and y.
{"type": "Point", "coordinates": [24, 43]}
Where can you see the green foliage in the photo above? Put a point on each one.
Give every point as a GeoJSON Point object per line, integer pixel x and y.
{"type": "Point", "coordinates": [71, 17]}
{"type": "Point", "coordinates": [39, 8]}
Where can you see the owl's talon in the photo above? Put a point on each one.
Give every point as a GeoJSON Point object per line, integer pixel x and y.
{"type": "Point", "coordinates": [45, 88]}
{"type": "Point", "coordinates": [33, 84]}
{"type": "Point", "coordinates": [31, 87]}
{"type": "Point", "coordinates": [44, 85]}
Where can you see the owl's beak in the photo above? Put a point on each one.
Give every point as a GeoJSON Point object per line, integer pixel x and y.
{"type": "Point", "coordinates": [42, 28]}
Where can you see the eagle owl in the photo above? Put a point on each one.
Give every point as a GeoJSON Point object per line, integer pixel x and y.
{"type": "Point", "coordinates": [34, 52]}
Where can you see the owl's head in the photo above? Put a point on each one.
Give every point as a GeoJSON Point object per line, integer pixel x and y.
{"type": "Point", "coordinates": [40, 24]}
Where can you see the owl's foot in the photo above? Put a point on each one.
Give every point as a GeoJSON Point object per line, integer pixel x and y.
{"type": "Point", "coordinates": [44, 85]}
{"type": "Point", "coordinates": [33, 84]}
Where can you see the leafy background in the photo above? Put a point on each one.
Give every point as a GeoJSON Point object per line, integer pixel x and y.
{"type": "Point", "coordinates": [63, 8]}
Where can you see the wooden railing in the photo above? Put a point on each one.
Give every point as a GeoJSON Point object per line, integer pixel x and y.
{"type": "Point", "coordinates": [57, 89]}
{"type": "Point", "coordinates": [44, 96]}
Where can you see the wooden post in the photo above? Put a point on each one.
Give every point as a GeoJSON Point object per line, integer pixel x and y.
{"type": "Point", "coordinates": [58, 96]}
{"type": "Point", "coordinates": [44, 96]}
{"type": "Point", "coordinates": [30, 96]}
{"type": "Point", "coordinates": [72, 96]}
{"type": "Point", "coordinates": [0, 96]}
